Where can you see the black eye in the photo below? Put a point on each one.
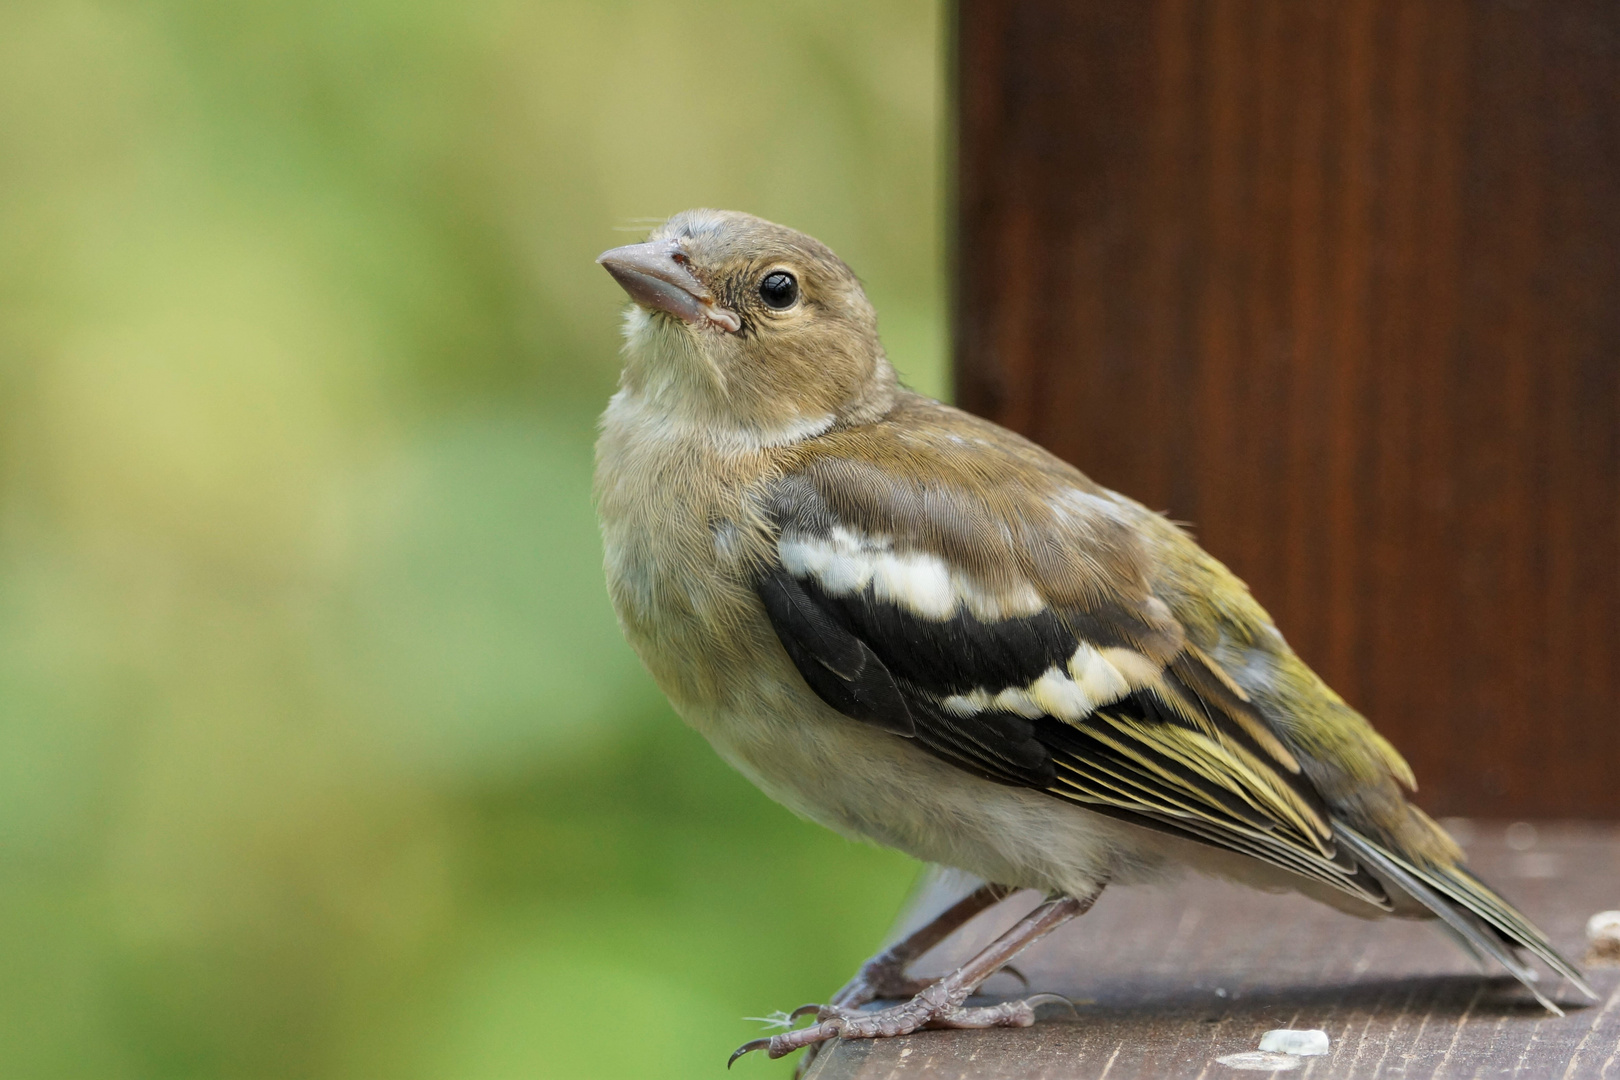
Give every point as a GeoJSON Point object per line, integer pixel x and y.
{"type": "Point", "coordinates": [779, 289]}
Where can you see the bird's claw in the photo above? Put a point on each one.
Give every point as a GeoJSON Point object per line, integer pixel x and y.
{"type": "Point", "coordinates": [923, 1011]}
{"type": "Point", "coordinates": [1035, 1001]}
{"type": "Point", "coordinates": [750, 1045]}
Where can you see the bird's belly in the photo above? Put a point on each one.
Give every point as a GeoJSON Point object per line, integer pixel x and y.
{"type": "Point", "coordinates": [871, 785]}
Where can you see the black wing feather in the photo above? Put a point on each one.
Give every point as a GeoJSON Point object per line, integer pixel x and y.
{"type": "Point", "coordinates": [840, 667]}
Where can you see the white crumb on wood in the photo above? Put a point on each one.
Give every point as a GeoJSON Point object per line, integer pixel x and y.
{"type": "Point", "coordinates": [1603, 938]}
{"type": "Point", "coordinates": [1306, 1043]}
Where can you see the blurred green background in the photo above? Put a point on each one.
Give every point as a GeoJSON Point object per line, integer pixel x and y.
{"type": "Point", "coordinates": [320, 753]}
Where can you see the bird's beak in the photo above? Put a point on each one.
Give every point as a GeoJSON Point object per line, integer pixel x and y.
{"type": "Point", "coordinates": [655, 276]}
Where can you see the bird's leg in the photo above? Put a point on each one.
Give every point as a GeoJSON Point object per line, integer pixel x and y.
{"type": "Point", "coordinates": [884, 975]}
{"type": "Point", "coordinates": [939, 1005]}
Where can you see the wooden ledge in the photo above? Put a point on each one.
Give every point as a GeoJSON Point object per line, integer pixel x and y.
{"type": "Point", "coordinates": [1168, 980]}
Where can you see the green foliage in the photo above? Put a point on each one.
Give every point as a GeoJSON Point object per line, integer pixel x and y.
{"type": "Point", "coordinates": [320, 754]}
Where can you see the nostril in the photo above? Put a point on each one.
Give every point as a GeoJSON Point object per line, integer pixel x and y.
{"type": "Point", "coordinates": [680, 257]}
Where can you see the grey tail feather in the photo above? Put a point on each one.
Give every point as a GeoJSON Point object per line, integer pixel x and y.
{"type": "Point", "coordinates": [1484, 923]}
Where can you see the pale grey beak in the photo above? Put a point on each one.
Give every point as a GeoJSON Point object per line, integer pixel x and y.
{"type": "Point", "coordinates": [655, 276]}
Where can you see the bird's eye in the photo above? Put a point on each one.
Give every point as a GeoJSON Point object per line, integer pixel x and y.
{"type": "Point", "coordinates": [779, 289]}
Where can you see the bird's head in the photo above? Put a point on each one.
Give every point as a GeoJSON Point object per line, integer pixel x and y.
{"type": "Point", "coordinates": [750, 328]}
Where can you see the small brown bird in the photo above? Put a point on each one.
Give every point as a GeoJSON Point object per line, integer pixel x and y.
{"type": "Point", "coordinates": [920, 629]}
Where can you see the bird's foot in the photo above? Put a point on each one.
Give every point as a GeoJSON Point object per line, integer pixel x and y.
{"type": "Point", "coordinates": [938, 1005]}
{"type": "Point", "coordinates": [941, 1004]}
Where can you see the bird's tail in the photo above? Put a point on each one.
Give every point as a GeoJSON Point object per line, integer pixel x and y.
{"type": "Point", "coordinates": [1482, 922]}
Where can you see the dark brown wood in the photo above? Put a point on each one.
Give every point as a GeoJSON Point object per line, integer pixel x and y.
{"type": "Point", "coordinates": [1167, 981]}
{"type": "Point", "coordinates": [1339, 285]}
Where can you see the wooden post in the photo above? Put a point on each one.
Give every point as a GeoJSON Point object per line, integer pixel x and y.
{"type": "Point", "coordinates": [1339, 285]}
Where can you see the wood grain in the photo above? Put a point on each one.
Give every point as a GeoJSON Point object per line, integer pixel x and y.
{"type": "Point", "coordinates": [1167, 981]}
{"type": "Point", "coordinates": [1339, 285]}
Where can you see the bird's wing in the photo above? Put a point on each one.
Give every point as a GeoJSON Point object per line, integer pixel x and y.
{"type": "Point", "coordinates": [1025, 647]}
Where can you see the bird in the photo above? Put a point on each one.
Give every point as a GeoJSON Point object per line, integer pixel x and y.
{"type": "Point", "coordinates": [919, 629]}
